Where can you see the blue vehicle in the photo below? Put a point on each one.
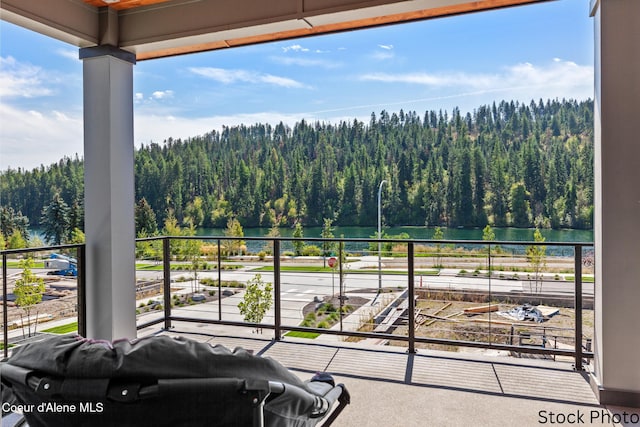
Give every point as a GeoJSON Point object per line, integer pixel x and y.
{"type": "Point", "coordinates": [62, 265]}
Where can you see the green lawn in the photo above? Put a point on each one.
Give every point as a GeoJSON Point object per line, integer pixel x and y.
{"type": "Point", "coordinates": [296, 334]}
{"type": "Point", "coordinates": [16, 264]}
{"type": "Point", "coordinates": [184, 267]}
{"type": "Point", "coordinates": [63, 329]}
{"type": "Point", "coordinates": [152, 267]}
{"type": "Point", "coordinates": [318, 269]}
{"type": "Point", "coordinates": [307, 269]}
{"type": "Point", "coordinates": [585, 279]}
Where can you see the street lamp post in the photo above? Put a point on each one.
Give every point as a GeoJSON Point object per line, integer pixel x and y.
{"type": "Point", "coordinates": [380, 235]}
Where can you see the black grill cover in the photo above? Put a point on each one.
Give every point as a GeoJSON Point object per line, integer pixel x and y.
{"type": "Point", "coordinates": [158, 381]}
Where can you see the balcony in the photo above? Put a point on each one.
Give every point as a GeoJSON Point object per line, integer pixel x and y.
{"type": "Point", "coordinates": [469, 344]}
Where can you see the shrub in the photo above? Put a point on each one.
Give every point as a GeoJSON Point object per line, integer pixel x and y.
{"type": "Point", "coordinates": [311, 250]}
{"type": "Point", "coordinates": [328, 307]}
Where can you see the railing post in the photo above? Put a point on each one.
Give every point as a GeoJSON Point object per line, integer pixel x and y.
{"type": "Point", "coordinates": [219, 281]}
{"type": "Point", "coordinates": [340, 296]}
{"type": "Point", "coordinates": [166, 283]}
{"type": "Point", "coordinates": [82, 290]}
{"type": "Point", "coordinates": [578, 306]}
{"type": "Point", "coordinates": [412, 298]}
{"type": "Point", "coordinates": [5, 317]}
{"type": "Point", "coordinates": [490, 297]}
{"type": "Point", "coordinates": [277, 290]}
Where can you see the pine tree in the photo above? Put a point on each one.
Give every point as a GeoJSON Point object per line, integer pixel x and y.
{"type": "Point", "coordinates": [145, 218]}
{"type": "Point", "coordinates": [55, 220]}
{"type": "Point", "coordinates": [520, 210]}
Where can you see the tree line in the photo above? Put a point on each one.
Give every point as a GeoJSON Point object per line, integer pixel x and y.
{"type": "Point", "coordinates": [505, 164]}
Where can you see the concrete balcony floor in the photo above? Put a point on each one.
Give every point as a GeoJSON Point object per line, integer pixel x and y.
{"type": "Point", "coordinates": [389, 387]}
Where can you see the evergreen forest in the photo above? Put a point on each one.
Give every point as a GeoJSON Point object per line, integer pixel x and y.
{"type": "Point", "coordinates": [505, 164]}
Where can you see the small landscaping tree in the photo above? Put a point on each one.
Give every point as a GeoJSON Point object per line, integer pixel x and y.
{"type": "Point", "coordinates": [328, 247]}
{"type": "Point", "coordinates": [488, 236]}
{"type": "Point", "coordinates": [536, 257]}
{"type": "Point", "coordinates": [234, 229]}
{"type": "Point", "coordinates": [191, 252]}
{"type": "Point", "coordinates": [257, 300]}
{"type": "Point", "coordinates": [298, 233]}
{"type": "Point", "coordinates": [438, 234]}
{"type": "Point", "coordinates": [28, 291]}
{"type": "Point", "coordinates": [274, 232]}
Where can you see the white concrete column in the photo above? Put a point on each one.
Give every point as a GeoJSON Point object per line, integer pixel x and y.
{"type": "Point", "coordinates": [109, 192]}
{"type": "Point", "coordinates": [616, 377]}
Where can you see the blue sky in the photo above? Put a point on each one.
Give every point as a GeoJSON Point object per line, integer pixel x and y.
{"type": "Point", "coordinates": [523, 53]}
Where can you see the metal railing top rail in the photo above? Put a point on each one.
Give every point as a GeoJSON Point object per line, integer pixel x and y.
{"type": "Point", "coordinates": [41, 249]}
{"type": "Point", "coordinates": [373, 240]}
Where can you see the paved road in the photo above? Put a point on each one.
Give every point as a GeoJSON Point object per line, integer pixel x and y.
{"type": "Point", "coordinates": [300, 285]}
{"type": "Point", "coordinates": [303, 286]}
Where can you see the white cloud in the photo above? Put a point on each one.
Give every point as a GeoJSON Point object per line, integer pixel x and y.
{"type": "Point", "coordinates": [228, 76]}
{"type": "Point", "coordinates": [35, 114]}
{"type": "Point", "coordinates": [556, 79]}
{"type": "Point", "coordinates": [384, 54]}
{"type": "Point", "coordinates": [69, 54]}
{"type": "Point", "coordinates": [31, 138]}
{"type": "Point", "coordinates": [21, 80]}
{"type": "Point", "coordinates": [280, 81]}
{"type": "Point", "coordinates": [295, 48]}
{"type": "Point", "coordinates": [162, 94]}
{"type": "Point", "coordinates": [61, 117]}
{"type": "Point", "coordinates": [306, 62]}
{"type": "Point", "coordinates": [139, 96]}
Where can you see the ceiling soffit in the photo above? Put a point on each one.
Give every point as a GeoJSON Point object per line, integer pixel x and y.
{"type": "Point", "coordinates": [158, 28]}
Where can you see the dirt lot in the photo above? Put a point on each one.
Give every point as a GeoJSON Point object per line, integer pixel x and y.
{"type": "Point", "coordinates": [448, 320]}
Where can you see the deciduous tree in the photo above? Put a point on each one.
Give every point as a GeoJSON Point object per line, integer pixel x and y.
{"type": "Point", "coordinates": [257, 300]}
{"type": "Point", "coordinates": [28, 291]}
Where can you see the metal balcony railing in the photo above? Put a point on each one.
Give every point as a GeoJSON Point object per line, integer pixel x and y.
{"type": "Point", "coordinates": [414, 293]}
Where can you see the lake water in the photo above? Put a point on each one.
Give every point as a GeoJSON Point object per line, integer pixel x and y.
{"type": "Point", "coordinates": [502, 234]}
